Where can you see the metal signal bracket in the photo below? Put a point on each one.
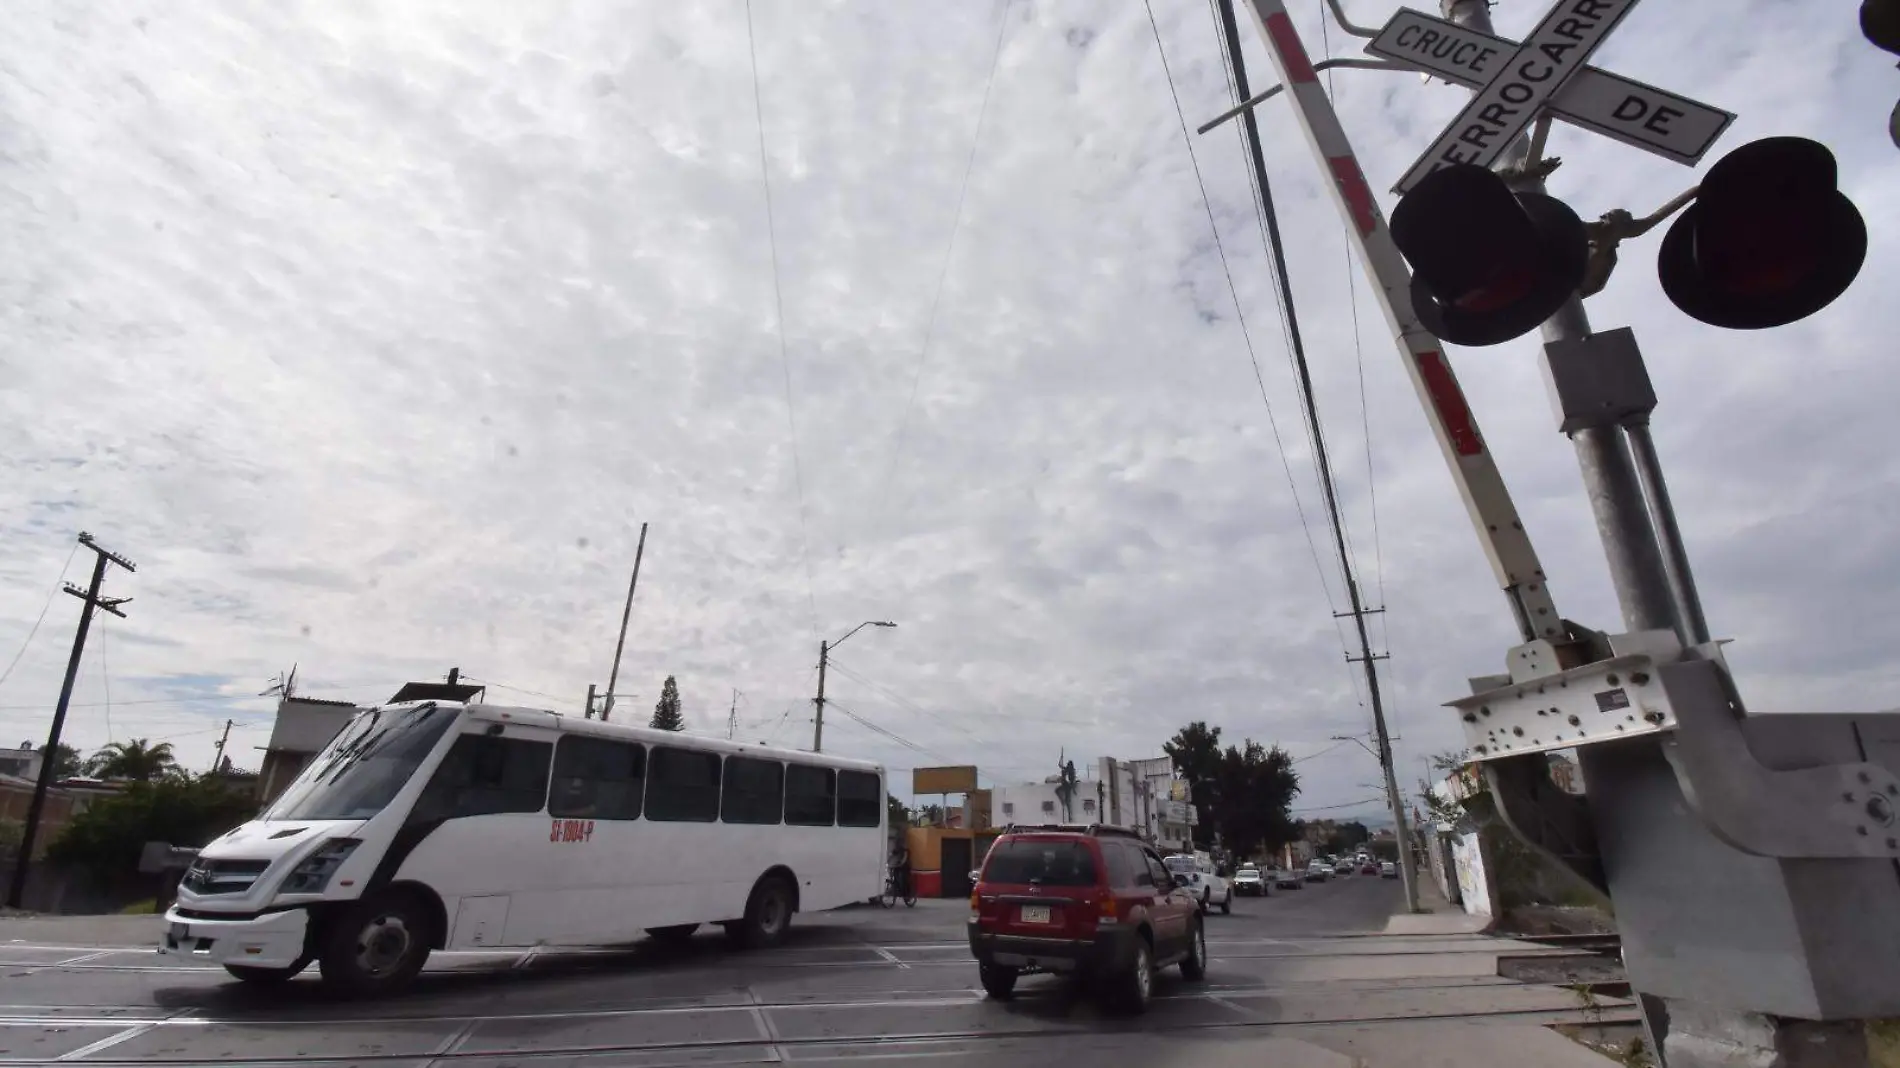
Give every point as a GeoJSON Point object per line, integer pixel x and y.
{"type": "Point", "coordinates": [1650, 685]}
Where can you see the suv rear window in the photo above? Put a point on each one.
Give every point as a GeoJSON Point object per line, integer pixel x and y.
{"type": "Point", "coordinates": [1021, 861]}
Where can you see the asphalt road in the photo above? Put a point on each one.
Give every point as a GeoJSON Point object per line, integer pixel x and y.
{"type": "Point", "coordinates": [861, 984]}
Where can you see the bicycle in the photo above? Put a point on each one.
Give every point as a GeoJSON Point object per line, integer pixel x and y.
{"type": "Point", "coordinates": [891, 893]}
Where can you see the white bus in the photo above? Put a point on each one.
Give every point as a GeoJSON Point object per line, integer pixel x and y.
{"type": "Point", "coordinates": [438, 825]}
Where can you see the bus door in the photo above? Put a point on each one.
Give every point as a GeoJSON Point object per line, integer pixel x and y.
{"type": "Point", "coordinates": [479, 834]}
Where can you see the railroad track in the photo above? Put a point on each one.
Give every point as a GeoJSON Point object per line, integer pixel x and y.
{"type": "Point", "coordinates": [1588, 943]}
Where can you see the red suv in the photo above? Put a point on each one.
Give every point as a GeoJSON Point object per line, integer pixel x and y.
{"type": "Point", "coordinates": [1093, 902]}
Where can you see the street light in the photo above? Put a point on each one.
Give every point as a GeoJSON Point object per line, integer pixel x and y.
{"type": "Point", "coordinates": [824, 658]}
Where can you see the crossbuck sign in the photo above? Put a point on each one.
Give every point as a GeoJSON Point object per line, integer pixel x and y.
{"type": "Point", "coordinates": [1546, 71]}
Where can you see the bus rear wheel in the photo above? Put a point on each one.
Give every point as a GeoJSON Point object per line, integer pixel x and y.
{"type": "Point", "coordinates": [377, 945]}
{"type": "Point", "coordinates": [768, 914]}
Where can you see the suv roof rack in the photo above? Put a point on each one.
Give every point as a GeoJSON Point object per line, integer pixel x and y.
{"type": "Point", "coordinates": [1100, 830]}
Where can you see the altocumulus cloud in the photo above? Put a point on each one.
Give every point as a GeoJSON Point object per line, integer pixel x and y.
{"type": "Point", "coordinates": [373, 336]}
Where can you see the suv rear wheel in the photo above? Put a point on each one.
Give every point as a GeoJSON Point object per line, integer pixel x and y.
{"type": "Point", "coordinates": [998, 982]}
{"type": "Point", "coordinates": [1130, 991]}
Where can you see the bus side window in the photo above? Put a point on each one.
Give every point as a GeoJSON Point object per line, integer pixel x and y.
{"type": "Point", "coordinates": [811, 796]}
{"type": "Point", "coordinates": [755, 791]}
{"type": "Point", "coordinates": [683, 785]}
{"type": "Point", "coordinates": [484, 775]}
{"type": "Point", "coordinates": [597, 779]}
{"type": "Point", "coordinates": [860, 799]}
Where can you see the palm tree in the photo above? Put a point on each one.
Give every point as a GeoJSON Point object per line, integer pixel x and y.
{"type": "Point", "coordinates": [137, 760]}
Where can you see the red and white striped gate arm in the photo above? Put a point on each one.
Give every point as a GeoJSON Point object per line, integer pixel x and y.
{"type": "Point", "coordinates": [1505, 541]}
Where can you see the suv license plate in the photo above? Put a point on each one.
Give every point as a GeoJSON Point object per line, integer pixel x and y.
{"type": "Point", "coordinates": [1035, 914]}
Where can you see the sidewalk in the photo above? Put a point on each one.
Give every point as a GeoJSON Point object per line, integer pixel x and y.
{"type": "Point", "coordinates": [142, 931]}
{"type": "Point", "coordinates": [1439, 917]}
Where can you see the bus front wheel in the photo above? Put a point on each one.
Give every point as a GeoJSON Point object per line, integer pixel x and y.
{"type": "Point", "coordinates": [768, 914]}
{"type": "Point", "coordinates": [376, 945]}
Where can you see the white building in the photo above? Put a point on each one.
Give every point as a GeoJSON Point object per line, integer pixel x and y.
{"type": "Point", "coordinates": [22, 763]}
{"type": "Point", "coordinates": [1142, 794]}
{"type": "Point", "coordinates": [304, 726]}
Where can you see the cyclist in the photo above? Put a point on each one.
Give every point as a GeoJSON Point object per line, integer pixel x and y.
{"type": "Point", "coordinates": [900, 874]}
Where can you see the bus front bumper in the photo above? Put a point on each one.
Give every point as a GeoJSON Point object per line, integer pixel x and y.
{"type": "Point", "coordinates": [269, 940]}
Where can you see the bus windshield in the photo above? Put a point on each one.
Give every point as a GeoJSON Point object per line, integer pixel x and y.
{"type": "Point", "coordinates": [365, 765]}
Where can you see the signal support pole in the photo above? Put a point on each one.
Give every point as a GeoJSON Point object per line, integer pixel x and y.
{"type": "Point", "coordinates": [49, 760]}
{"type": "Point", "coordinates": [1751, 857]}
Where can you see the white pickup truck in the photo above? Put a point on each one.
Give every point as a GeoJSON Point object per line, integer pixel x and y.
{"type": "Point", "coordinates": [1196, 873]}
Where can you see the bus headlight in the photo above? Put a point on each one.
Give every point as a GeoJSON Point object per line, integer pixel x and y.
{"type": "Point", "coordinates": [314, 873]}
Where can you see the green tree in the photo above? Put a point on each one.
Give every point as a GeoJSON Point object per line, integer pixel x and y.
{"type": "Point", "coordinates": [67, 763]}
{"type": "Point", "coordinates": [1254, 791]}
{"type": "Point", "coordinates": [898, 813]}
{"type": "Point", "coordinates": [1195, 751]}
{"type": "Point", "coordinates": [107, 838]}
{"type": "Point", "coordinates": [137, 761]}
{"type": "Point", "coordinates": [666, 712]}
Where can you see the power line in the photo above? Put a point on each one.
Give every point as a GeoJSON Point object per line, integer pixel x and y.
{"type": "Point", "coordinates": [50, 594]}
{"type": "Point", "coordinates": [892, 735]}
{"type": "Point", "coordinates": [1267, 217]}
{"type": "Point", "coordinates": [1240, 316]}
{"type": "Point", "coordinates": [1321, 753]}
{"type": "Point", "coordinates": [778, 304]}
{"type": "Point", "coordinates": [513, 689]}
{"type": "Point", "coordinates": [943, 272]}
{"type": "Point", "coordinates": [902, 701]}
{"type": "Point", "coordinates": [105, 678]}
{"type": "Point", "coordinates": [1359, 361]}
{"type": "Point", "coordinates": [1332, 808]}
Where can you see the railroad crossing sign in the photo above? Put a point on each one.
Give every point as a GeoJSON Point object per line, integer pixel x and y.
{"type": "Point", "coordinates": [1521, 83]}
{"type": "Point", "coordinates": [1655, 120]}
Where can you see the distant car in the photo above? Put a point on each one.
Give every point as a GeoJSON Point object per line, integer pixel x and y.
{"type": "Point", "coordinates": [1249, 882]}
{"type": "Point", "coordinates": [1368, 868]}
{"type": "Point", "coordinates": [1344, 867]}
{"type": "Point", "coordinates": [1288, 879]}
{"type": "Point", "coordinates": [1388, 870]}
{"type": "Point", "coordinates": [1199, 877]}
{"type": "Point", "coordinates": [1318, 872]}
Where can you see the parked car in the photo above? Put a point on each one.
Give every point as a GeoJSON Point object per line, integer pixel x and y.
{"type": "Point", "coordinates": [1368, 868]}
{"type": "Point", "coordinates": [1249, 882]}
{"type": "Point", "coordinates": [1095, 903]}
{"type": "Point", "coordinates": [1288, 879]}
{"type": "Point", "coordinates": [1388, 870]}
{"type": "Point", "coordinates": [1210, 888]}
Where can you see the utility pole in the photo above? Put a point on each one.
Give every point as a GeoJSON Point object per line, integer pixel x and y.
{"type": "Point", "coordinates": [818, 720]}
{"type": "Point", "coordinates": [590, 700]}
{"type": "Point", "coordinates": [217, 764]}
{"type": "Point", "coordinates": [49, 760]}
{"type": "Point", "coordinates": [626, 613]}
{"type": "Point", "coordinates": [732, 717]}
{"type": "Point", "coordinates": [1407, 869]}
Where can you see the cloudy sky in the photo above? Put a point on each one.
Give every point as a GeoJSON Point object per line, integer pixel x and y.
{"type": "Point", "coordinates": [373, 336]}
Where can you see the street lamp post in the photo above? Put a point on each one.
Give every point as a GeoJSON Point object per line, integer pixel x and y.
{"type": "Point", "coordinates": [824, 659]}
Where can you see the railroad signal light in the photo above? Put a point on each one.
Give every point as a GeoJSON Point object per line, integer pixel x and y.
{"type": "Point", "coordinates": [1770, 239]}
{"type": "Point", "coordinates": [1880, 23]}
{"type": "Point", "coordinates": [1488, 264]}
